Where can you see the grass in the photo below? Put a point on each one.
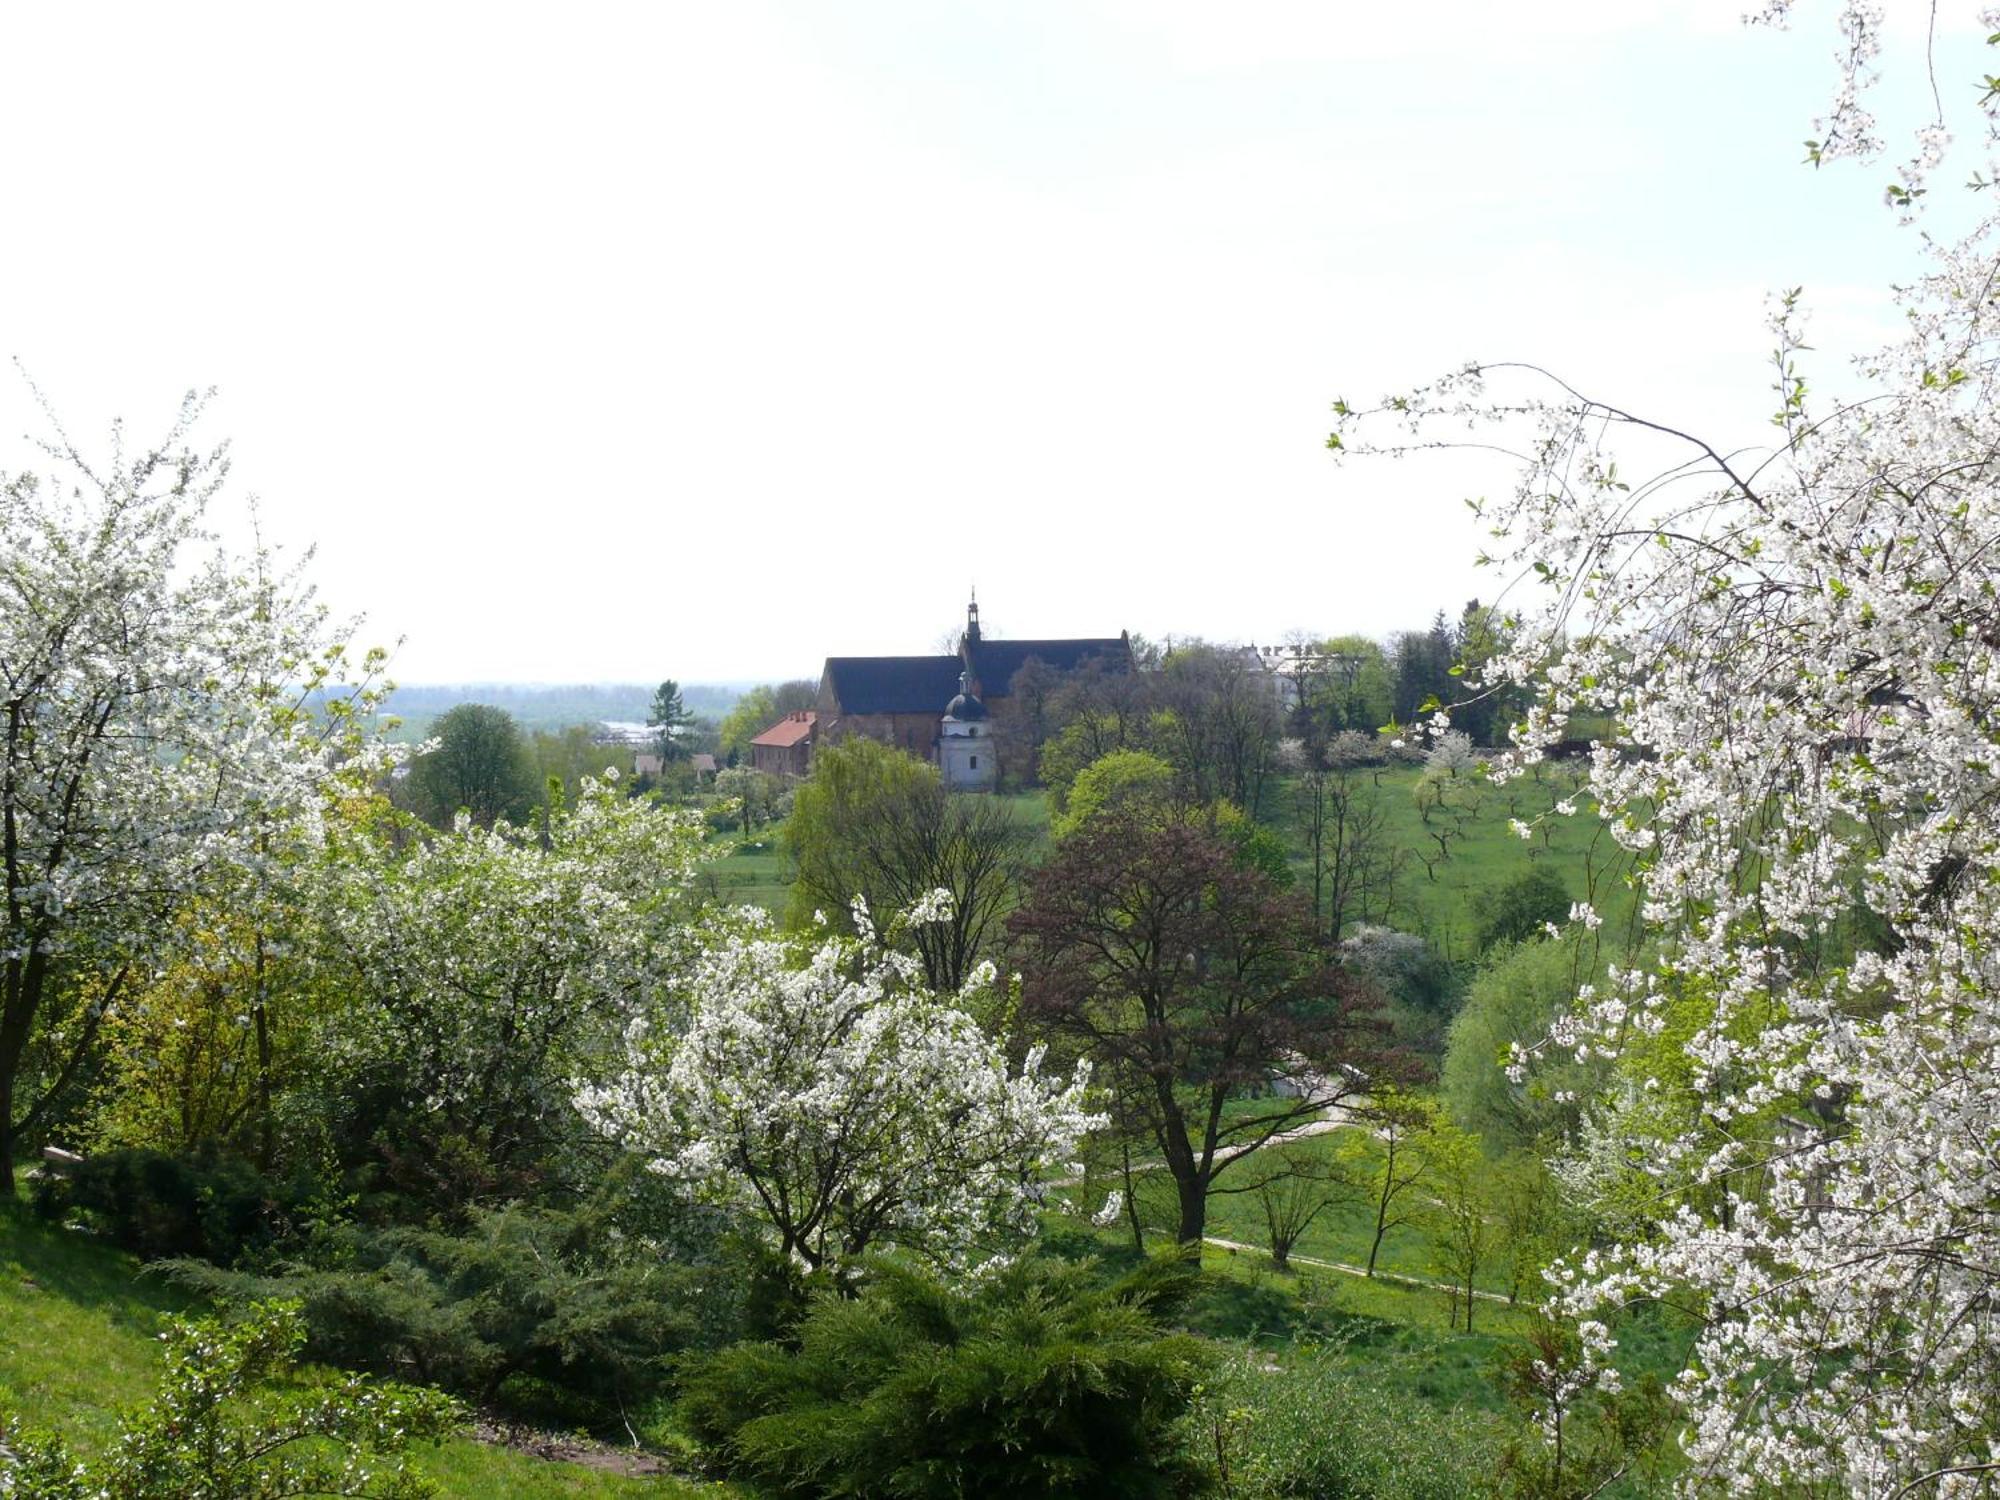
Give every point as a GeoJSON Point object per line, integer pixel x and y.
{"type": "Point", "coordinates": [754, 871]}
{"type": "Point", "coordinates": [81, 1345]}
{"type": "Point", "coordinates": [1437, 899]}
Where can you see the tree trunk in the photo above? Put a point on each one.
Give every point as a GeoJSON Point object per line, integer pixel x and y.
{"type": "Point", "coordinates": [266, 1143]}
{"type": "Point", "coordinates": [1131, 1197]}
{"type": "Point", "coordinates": [1194, 1209]}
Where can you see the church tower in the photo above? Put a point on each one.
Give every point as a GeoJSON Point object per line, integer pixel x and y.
{"type": "Point", "coordinates": [965, 737]}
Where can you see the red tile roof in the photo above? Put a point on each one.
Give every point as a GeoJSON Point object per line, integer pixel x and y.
{"type": "Point", "coordinates": [788, 731]}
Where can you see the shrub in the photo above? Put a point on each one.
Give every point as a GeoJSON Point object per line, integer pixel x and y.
{"type": "Point", "coordinates": [211, 1205]}
{"type": "Point", "coordinates": [1517, 909]}
{"type": "Point", "coordinates": [1038, 1379]}
{"type": "Point", "coordinates": [563, 1304]}
{"type": "Point", "coordinates": [1309, 1430]}
{"type": "Point", "coordinates": [1514, 1000]}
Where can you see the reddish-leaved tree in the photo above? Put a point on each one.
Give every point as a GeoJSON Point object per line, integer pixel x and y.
{"type": "Point", "coordinates": [1189, 976]}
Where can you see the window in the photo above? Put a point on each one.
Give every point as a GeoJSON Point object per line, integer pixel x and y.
{"type": "Point", "coordinates": [975, 762]}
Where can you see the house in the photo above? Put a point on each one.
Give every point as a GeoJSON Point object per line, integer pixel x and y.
{"type": "Point", "coordinates": [785, 749]}
{"type": "Point", "coordinates": [647, 763]}
{"type": "Point", "coordinates": [941, 708]}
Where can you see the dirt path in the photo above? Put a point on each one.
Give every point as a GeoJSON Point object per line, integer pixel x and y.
{"type": "Point", "coordinates": [1343, 1267]}
{"type": "Point", "coordinates": [603, 1457]}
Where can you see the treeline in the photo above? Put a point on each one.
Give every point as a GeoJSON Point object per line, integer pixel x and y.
{"type": "Point", "coordinates": [553, 707]}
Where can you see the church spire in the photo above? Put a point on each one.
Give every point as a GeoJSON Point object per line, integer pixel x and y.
{"type": "Point", "coordinates": [972, 618]}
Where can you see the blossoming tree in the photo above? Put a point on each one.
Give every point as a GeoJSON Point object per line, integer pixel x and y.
{"type": "Point", "coordinates": [1800, 653]}
{"type": "Point", "coordinates": [482, 969]}
{"type": "Point", "coordinates": [834, 1097]}
{"type": "Point", "coordinates": [165, 717]}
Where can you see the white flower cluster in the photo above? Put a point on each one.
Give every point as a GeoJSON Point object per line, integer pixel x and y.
{"type": "Point", "coordinates": [828, 1093]}
{"type": "Point", "coordinates": [483, 959]}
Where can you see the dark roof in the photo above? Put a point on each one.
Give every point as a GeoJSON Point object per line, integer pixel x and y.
{"type": "Point", "coordinates": [893, 684]}
{"type": "Point", "coordinates": [965, 708]}
{"type": "Point", "coordinates": [998, 661]}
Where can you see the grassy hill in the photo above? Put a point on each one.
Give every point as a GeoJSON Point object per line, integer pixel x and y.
{"type": "Point", "coordinates": [81, 1344]}
{"type": "Point", "coordinates": [1435, 895]}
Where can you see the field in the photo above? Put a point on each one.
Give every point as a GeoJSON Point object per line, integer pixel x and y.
{"type": "Point", "coordinates": [1435, 900]}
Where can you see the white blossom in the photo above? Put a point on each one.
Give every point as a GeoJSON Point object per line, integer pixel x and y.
{"type": "Point", "coordinates": [1800, 653]}
{"type": "Point", "coordinates": [825, 1091]}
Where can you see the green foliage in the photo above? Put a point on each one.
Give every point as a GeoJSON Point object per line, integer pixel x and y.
{"type": "Point", "coordinates": [747, 797]}
{"type": "Point", "coordinates": [1512, 1002]}
{"type": "Point", "coordinates": [81, 1346]}
{"type": "Point", "coordinates": [1121, 783]}
{"type": "Point", "coordinates": [223, 1427]}
{"type": "Point", "coordinates": [1036, 1379]}
{"type": "Point", "coordinates": [154, 1204]}
{"type": "Point", "coordinates": [562, 758]}
{"type": "Point", "coordinates": [1302, 1426]}
{"type": "Point", "coordinates": [1089, 736]}
{"type": "Point", "coordinates": [874, 822]}
{"type": "Point", "coordinates": [479, 766]}
{"type": "Point", "coordinates": [1422, 989]}
{"type": "Point", "coordinates": [850, 781]}
{"type": "Point", "coordinates": [1522, 906]}
{"type": "Point", "coordinates": [566, 1304]}
{"type": "Point", "coordinates": [755, 712]}
{"type": "Point", "coordinates": [1587, 1436]}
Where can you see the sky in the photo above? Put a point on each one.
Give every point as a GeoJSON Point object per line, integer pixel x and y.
{"type": "Point", "coordinates": [615, 342]}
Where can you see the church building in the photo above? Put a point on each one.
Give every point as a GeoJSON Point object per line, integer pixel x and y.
{"type": "Point", "coordinates": [940, 707]}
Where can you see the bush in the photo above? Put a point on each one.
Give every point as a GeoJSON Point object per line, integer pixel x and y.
{"type": "Point", "coordinates": [566, 1310]}
{"type": "Point", "coordinates": [213, 1206]}
{"type": "Point", "coordinates": [1517, 909]}
{"type": "Point", "coordinates": [1035, 1380]}
{"type": "Point", "coordinates": [1513, 1002]}
{"type": "Point", "coordinates": [1310, 1430]}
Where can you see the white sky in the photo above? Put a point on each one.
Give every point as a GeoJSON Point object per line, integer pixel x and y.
{"type": "Point", "coordinates": [604, 342]}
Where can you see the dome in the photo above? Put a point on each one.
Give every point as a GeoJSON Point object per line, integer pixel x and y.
{"type": "Point", "coordinates": [965, 706]}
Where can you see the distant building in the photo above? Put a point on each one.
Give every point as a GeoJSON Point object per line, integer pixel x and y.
{"type": "Point", "coordinates": [939, 708]}
{"type": "Point", "coordinates": [647, 763]}
{"type": "Point", "coordinates": [965, 751]}
{"type": "Point", "coordinates": [785, 749]}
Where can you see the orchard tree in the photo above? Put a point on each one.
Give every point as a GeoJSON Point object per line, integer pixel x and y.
{"type": "Point", "coordinates": [1797, 655]}
{"type": "Point", "coordinates": [831, 1094]}
{"type": "Point", "coordinates": [1393, 1160]}
{"type": "Point", "coordinates": [169, 720]}
{"type": "Point", "coordinates": [481, 972]}
{"type": "Point", "coordinates": [1156, 951]}
{"type": "Point", "coordinates": [1462, 1215]}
